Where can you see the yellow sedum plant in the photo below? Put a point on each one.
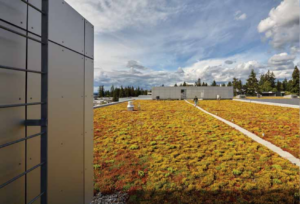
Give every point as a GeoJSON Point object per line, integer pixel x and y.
{"type": "Point", "coordinates": [278, 125]}
{"type": "Point", "coordinates": [170, 152]}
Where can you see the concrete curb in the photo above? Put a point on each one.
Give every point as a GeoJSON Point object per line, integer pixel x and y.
{"type": "Point", "coordinates": [110, 104]}
{"type": "Point", "coordinates": [254, 137]}
{"type": "Point", "coordinates": [268, 103]}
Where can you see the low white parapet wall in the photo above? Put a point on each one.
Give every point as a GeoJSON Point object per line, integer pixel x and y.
{"type": "Point", "coordinates": [268, 103]}
{"type": "Point", "coordinates": [110, 104]}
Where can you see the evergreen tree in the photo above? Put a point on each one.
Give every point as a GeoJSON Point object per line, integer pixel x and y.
{"type": "Point", "coordinates": [203, 84]}
{"type": "Point", "coordinates": [198, 82]}
{"type": "Point", "coordinates": [126, 92]}
{"type": "Point", "coordinates": [289, 86]}
{"type": "Point", "coordinates": [295, 81]}
{"type": "Point", "coordinates": [184, 84]}
{"type": "Point", "coordinates": [101, 91]}
{"type": "Point", "coordinates": [266, 86]}
{"type": "Point", "coordinates": [175, 85]}
{"type": "Point", "coordinates": [272, 79]}
{"type": "Point", "coordinates": [229, 84]}
{"type": "Point", "coordinates": [214, 83]}
{"type": "Point", "coordinates": [284, 84]}
{"type": "Point", "coordinates": [223, 85]}
{"type": "Point", "coordinates": [112, 90]}
{"type": "Point", "coordinates": [261, 80]}
{"type": "Point", "coordinates": [269, 76]}
{"type": "Point", "coordinates": [121, 93]}
{"type": "Point", "coordinates": [279, 86]}
{"type": "Point", "coordinates": [252, 84]}
{"type": "Point", "coordinates": [115, 96]}
{"type": "Point", "coordinates": [235, 82]}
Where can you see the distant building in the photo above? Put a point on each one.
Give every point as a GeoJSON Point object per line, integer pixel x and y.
{"type": "Point", "coordinates": [189, 92]}
{"type": "Point", "coordinates": [272, 93]}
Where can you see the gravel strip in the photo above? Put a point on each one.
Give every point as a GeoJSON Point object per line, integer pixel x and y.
{"type": "Point", "coordinates": [116, 198]}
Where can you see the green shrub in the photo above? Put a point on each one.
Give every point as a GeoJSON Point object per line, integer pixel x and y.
{"type": "Point", "coordinates": [236, 172]}
{"type": "Point", "coordinates": [153, 143]}
{"type": "Point", "coordinates": [141, 173]}
{"type": "Point", "coordinates": [132, 147]}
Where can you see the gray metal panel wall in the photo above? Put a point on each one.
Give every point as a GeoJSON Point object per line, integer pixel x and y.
{"type": "Point", "coordinates": [88, 130]}
{"type": "Point", "coordinates": [89, 39]}
{"type": "Point", "coordinates": [70, 170]}
{"type": "Point", "coordinates": [65, 126]}
{"type": "Point", "coordinates": [33, 112]}
{"type": "Point", "coordinates": [11, 120]}
{"type": "Point", "coordinates": [66, 26]}
{"type": "Point", "coordinates": [14, 12]}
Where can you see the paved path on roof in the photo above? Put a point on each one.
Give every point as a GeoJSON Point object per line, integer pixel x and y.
{"type": "Point", "coordinates": [292, 101]}
{"type": "Point", "coordinates": [254, 137]}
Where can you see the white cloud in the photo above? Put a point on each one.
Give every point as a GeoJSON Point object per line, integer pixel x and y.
{"type": "Point", "coordinates": [180, 70]}
{"type": "Point", "coordinates": [240, 16]}
{"type": "Point", "coordinates": [146, 79]}
{"type": "Point", "coordinates": [111, 16]}
{"type": "Point", "coordinates": [133, 64]}
{"type": "Point", "coordinates": [229, 62]}
{"type": "Point", "coordinates": [210, 70]}
{"type": "Point", "coordinates": [294, 50]}
{"type": "Point", "coordinates": [282, 25]}
{"type": "Point", "coordinates": [282, 61]}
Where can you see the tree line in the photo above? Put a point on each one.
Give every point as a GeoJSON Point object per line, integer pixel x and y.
{"type": "Point", "coordinates": [198, 83]}
{"type": "Point", "coordinates": [253, 86]}
{"type": "Point", "coordinates": [119, 92]}
{"type": "Point", "coordinates": [266, 83]}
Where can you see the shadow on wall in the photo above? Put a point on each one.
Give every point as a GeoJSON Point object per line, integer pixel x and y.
{"type": "Point", "coordinates": [276, 196]}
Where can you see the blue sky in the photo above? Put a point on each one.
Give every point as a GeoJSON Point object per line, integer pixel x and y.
{"type": "Point", "coordinates": [153, 42]}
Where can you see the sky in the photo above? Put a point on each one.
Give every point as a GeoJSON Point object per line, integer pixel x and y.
{"type": "Point", "coordinates": [148, 43]}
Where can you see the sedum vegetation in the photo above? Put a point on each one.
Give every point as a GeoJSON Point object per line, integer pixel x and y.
{"type": "Point", "coordinates": [278, 125]}
{"type": "Point", "coordinates": [170, 152]}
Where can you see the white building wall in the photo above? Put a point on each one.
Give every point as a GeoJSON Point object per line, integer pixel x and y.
{"type": "Point", "coordinates": [209, 92]}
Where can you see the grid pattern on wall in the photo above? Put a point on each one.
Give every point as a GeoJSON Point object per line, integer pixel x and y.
{"type": "Point", "coordinates": [38, 70]}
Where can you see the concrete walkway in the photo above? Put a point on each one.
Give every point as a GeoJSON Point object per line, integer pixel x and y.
{"type": "Point", "coordinates": [267, 103]}
{"type": "Point", "coordinates": [254, 137]}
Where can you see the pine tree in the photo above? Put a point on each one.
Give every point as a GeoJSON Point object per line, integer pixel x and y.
{"type": "Point", "coordinates": [175, 85]}
{"type": "Point", "coordinates": [235, 86]}
{"type": "Point", "coordinates": [112, 90]}
{"type": "Point", "coordinates": [121, 93]}
{"type": "Point", "coordinates": [100, 92]}
{"type": "Point", "coordinates": [252, 84]}
{"type": "Point", "coordinates": [229, 83]}
{"type": "Point", "coordinates": [295, 81]}
{"type": "Point", "coordinates": [214, 83]}
{"type": "Point", "coordinates": [184, 84]}
{"type": "Point", "coordinates": [279, 86]}
{"type": "Point", "coordinates": [115, 96]}
{"type": "Point", "coordinates": [266, 86]}
{"type": "Point", "coordinates": [289, 86]}
{"type": "Point", "coordinates": [272, 79]}
{"type": "Point", "coordinates": [198, 82]}
{"type": "Point", "coordinates": [284, 84]}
